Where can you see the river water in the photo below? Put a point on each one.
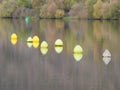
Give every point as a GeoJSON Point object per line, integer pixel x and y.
{"type": "Point", "coordinates": [81, 55]}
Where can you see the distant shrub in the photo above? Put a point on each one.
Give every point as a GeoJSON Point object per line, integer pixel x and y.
{"type": "Point", "coordinates": [43, 11]}
{"type": "Point", "coordinates": [26, 3]}
{"type": "Point", "coordinates": [97, 9]}
{"type": "Point", "coordinates": [114, 8]}
{"type": "Point", "coordinates": [48, 10]}
{"type": "Point", "coordinates": [68, 4]}
{"type": "Point", "coordinates": [110, 11]}
{"type": "Point", "coordinates": [60, 4]}
{"type": "Point", "coordinates": [105, 11]}
{"type": "Point", "coordinates": [7, 7]}
{"type": "Point", "coordinates": [89, 4]}
{"type": "Point", "coordinates": [78, 11]}
{"type": "Point", "coordinates": [59, 13]}
{"type": "Point", "coordinates": [34, 3]}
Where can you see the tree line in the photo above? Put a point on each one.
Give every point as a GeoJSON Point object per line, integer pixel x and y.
{"type": "Point", "coordinates": [81, 9]}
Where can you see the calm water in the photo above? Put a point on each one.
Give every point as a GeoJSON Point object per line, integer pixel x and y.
{"type": "Point", "coordinates": [26, 68]}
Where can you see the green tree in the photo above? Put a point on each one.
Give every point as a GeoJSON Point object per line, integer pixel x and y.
{"type": "Point", "coordinates": [68, 4]}
{"type": "Point", "coordinates": [97, 9]}
{"type": "Point", "coordinates": [89, 4]}
{"type": "Point", "coordinates": [7, 7]}
{"type": "Point", "coordinates": [110, 11]}
{"type": "Point", "coordinates": [26, 3]}
{"type": "Point", "coordinates": [114, 10]}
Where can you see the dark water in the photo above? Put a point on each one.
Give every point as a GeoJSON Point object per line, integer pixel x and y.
{"type": "Point", "coordinates": [24, 68]}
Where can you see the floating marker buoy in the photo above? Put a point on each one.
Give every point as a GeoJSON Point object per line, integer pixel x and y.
{"type": "Point", "coordinates": [106, 56]}
{"type": "Point", "coordinates": [58, 42]}
{"type": "Point", "coordinates": [44, 44]}
{"type": "Point", "coordinates": [29, 39]}
{"type": "Point", "coordinates": [78, 57]}
{"type": "Point", "coordinates": [58, 46]}
{"type": "Point", "coordinates": [35, 41]}
{"type": "Point", "coordinates": [27, 19]}
{"type": "Point", "coordinates": [106, 60]}
{"type": "Point", "coordinates": [13, 36]}
{"type": "Point", "coordinates": [29, 42]}
{"type": "Point", "coordinates": [13, 39]}
{"type": "Point", "coordinates": [78, 52]}
{"type": "Point", "coordinates": [106, 53]}
{"type": "Point", "coordinates": [44, 47]}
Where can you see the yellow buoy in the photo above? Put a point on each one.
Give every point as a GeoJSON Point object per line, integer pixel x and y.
{"type": "Point", "coordinates": [78, 57]}
{"type": "Point", "coordinates": [58, 45]}
{"type": "Point", "coordinates": [58, 42]}
{"type": "Point", "coordinates": [29, 42]}
{"type": "Point", "coordinates": [35, 41]}
{"type": "Point", "coordinates": [13, 39]}
{"type": "Point", "coordinates": [44, 44]}
{"type": "Point", "coordinates": [78, 52]}
{"type": "Point", "coordinates": [13, 36]}
{"type": "Point", "coordinates": [29, 39]}
{"type": "Point", "coordinates": [44, 47]}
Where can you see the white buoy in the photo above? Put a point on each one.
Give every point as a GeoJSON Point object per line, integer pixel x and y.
{"type": "Point", "coordinates": [78, 52]}
{"type": "Point", "coordinates": [44, 47]}
{"type": "Point", "coordinates": [106, 56]}
{"type": "Point", "coordinates": [29, 42]}
{"type": "Point", "coordinates": [58, 46]}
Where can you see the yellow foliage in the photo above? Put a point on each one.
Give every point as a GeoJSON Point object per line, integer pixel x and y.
{"type": "Point", "coordinates": [97, 9]}
{"type": "Point", "coordinates": [34, 3]}
{"type": "Point", "coordinates": [59, 13]}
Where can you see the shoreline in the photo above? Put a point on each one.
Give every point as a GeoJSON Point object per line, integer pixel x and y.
{"type": "Point", "coordinates": [64, 18]}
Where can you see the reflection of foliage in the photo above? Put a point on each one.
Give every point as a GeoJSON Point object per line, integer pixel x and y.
{"type": "Point", "coordinates": [104, 32]}
{"type": "Point", "coordinates": [23, 35]}
{"type": "Point", "coordinates": [70, 39]}
{"type": "Point", "coordinates": [97, 30]}
{"type": "Point", "coordinates": [59, 24]}
{"type": "Point", "coordinates": [114, 25]}
{"type": "Point", "coordinates": [4, 26]}
{"type": "Point", "coordinates": [7, 27]}
{"type": "Point", "coordinates": [75, 33]}
{"type": "Point", "coordinates": [42, 24]}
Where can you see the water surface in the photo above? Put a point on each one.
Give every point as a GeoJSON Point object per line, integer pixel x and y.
{"type": "Point", "coordinates": [26, 68]}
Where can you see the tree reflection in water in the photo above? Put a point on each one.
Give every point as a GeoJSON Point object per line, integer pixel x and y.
{"type": "Point", "coordinates": [24, 68]}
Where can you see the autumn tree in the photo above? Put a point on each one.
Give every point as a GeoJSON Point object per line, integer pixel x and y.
{"type": "Point", "coordinates": [97, 9]}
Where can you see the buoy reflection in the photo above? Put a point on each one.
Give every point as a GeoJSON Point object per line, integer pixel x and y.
{"type": "Point", "coordinates": [58, 46]}
{"type": "Point", "coordinates": [106, 56]}
{"type": "Point", "coordinates": [35, 41]}
{"type": "Point", "coordinates": [78, 52]}
{"type": "Point", "coordinates": [27, 19]}
{"type": "Point", "coordinates": [44, 47]}
{"type": "Point", "coordinates": [29, 42]}
{"type": "Point", "coordinates": [13, 39]}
